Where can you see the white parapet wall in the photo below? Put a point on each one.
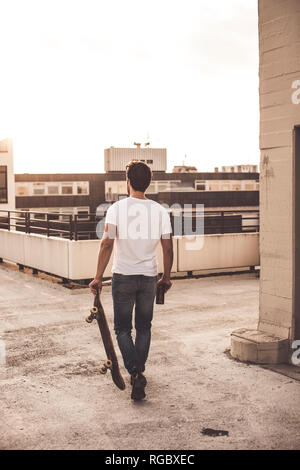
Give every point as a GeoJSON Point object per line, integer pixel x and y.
{"type": "Point", "coordinates": [50, 255]}
{"type": "Point", "coordinates": [78, 259]}
{"type": "Point", "coordinates": [218, 251]}
{"type": "Point", "coordinates": [12, 246]}
{"type": "Point", "coordinates": [83, 256]}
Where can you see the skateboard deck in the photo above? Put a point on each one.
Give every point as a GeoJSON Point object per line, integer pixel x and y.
{"type": "Point", "coordinates": [97, 313]}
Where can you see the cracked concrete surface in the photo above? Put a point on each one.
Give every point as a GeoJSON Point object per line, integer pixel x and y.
{"type": "Point", "coordinates": [53, 397]}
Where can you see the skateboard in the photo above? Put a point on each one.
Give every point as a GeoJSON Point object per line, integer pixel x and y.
{"type": "Point", "coordinates": [97, 313]}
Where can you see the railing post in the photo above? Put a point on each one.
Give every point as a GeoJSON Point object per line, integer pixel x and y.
{"type": "Point", "coordinates": [75, 228]}
{"type": "Point", "coordinates": [71, 228]}
{"type": "Point", "coordinates": [48, 229]}
{"type": "Point", "coordinates": [29, 227]}
{"type": "Point", "coordinates": [222, 226]}
{"type": "Point", "coordinates": [26, 222]}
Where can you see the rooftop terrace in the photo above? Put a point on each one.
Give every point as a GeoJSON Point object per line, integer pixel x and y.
{"type": "Point", "coordinates": [53, 396]}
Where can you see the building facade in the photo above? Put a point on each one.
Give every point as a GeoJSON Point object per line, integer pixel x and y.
{"type": "Point", "coordinates": [83, 193]}
{"type": "Point", "coordinates": [239, 168]}
{"type": "Point", "coordinates": [7, 183]}
{"type": "Point", "coordinates": [115, 159]}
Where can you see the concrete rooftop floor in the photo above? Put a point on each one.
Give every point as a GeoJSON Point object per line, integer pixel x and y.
{"type": "Point", "coordinates": [52, 396]}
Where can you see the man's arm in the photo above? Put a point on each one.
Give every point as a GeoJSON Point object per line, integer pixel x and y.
{"type": "Point", "coordinates": [105, 251]}
{"type": "Point", "coordinates": [167, 247]}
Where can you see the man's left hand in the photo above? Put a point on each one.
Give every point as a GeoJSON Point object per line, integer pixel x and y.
{"type": "Point", "coordinates": [95, 286]}
{"type": "Point", "coordinates": [165, 281]}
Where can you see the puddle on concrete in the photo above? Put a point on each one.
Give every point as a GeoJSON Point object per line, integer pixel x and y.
{"type": "Point", "coordinates": [214, 432]}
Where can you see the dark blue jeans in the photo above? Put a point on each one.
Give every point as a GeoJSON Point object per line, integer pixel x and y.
{"type": "Point", "coordinates": [127, 291]}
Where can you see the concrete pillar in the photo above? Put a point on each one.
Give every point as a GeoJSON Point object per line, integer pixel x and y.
{"type": "Point", "coordinates": [279, 44]}
{"type": "Point", "coordinates": [296, 303]}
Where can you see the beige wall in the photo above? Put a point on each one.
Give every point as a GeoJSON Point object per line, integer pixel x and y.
{"type": "Point", "coordinates": [83, 259]}
{"type": "Point", "coordinates": [219, 251]}
{"type": "Point", "coordinates": [36, 251]}
{"type": "Point", "coordinates": [78, 259]}
{"type": "Point", "coordinates": [279, 37]}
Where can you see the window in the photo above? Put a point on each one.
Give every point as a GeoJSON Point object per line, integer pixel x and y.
{"type": "Point", "coordinates": [53, 215]}
{"type": "Point", "coordinates": [82, 188]}
{"type": "Point", "coordinates": [163, 185]}
{"type": "Point", "coordinates": [3, 184]}
{"type": "Point", "coordinates": [151, 188]}
{"type": "Point", "coordinates": [64, 217]}
{"type": "Point", "coordinates": [115, 189]}
{"type": "Point", "coordinates": [38, 216]}
{"type": "Point", "coordinates": [67, 189]}
{"type": "Point", "coordinates": [3, 147]}
{"type": "Point", "coordinates": [53, 190]}
{"type": "Point", "coordinates": [175, 184]}
{"type": "Point", "coordinates": [83, 214]}
{"type": "Point", "coordinates": [38, 189]}
{"type": "Point", "coordinates": [22, 190]}
{"type": "Point", "coordinates": [200, 186]}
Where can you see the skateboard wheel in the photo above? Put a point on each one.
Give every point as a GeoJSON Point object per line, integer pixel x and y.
{"type": "Point", "coordinates": [103, 370]}
{"type": "Point", "coordinates": [88, 320]}
{"type": "Point", "coordinates": [108, 364]}
{"type": "Point", "coordinates": [94, 310]}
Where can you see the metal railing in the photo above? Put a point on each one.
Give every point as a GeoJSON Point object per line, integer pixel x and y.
{"type": "Point", "coordinates": [70, 226]}
{"type": "Point", "coordinates": [219, 221]}
{"type": "Point", "coordinates": [84, 227]}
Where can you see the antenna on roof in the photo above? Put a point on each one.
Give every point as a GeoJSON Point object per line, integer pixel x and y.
{"type": "Point", "coordinates": [148, 140]}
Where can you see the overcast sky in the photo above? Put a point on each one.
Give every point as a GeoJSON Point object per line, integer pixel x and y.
{"type": "Point", "coordinates": [79, 76]}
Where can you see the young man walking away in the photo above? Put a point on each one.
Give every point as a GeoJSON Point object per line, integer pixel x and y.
{"type": "Point", "coordinates": [137, 224]}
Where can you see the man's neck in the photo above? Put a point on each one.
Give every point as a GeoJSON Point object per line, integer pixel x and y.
{"type": "Point", "coordinates": [137, 194]}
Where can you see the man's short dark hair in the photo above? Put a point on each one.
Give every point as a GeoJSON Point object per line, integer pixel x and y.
{"type": "Point", "coordinates": [139, 174]}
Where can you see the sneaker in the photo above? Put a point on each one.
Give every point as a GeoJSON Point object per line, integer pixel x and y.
{"type": "Point", "coordinates": [138, 382]}
{"type": "Point", "coordinates": [142, 378]}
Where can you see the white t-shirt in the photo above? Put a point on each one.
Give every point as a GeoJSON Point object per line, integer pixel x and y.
{"type": "Point", "coordinates": [139, 225]}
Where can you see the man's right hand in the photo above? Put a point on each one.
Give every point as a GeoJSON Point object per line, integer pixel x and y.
{"type": "Point", "coordinates": [95, 286]}
{"type": "Point", "coordinates": [165, 281]}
